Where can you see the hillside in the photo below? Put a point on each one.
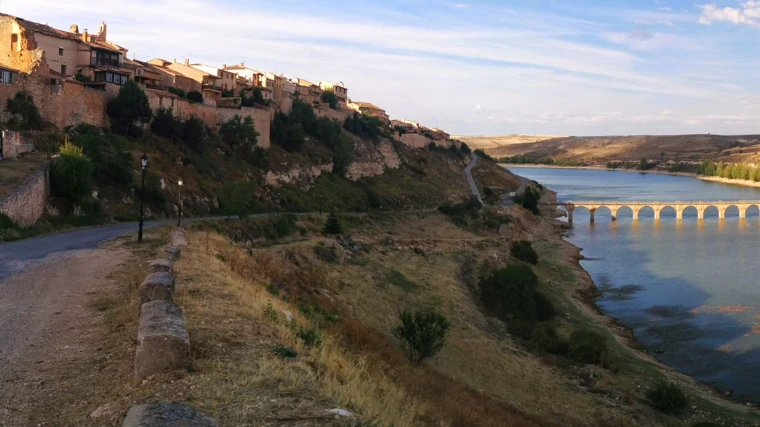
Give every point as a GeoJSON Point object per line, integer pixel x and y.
{"type": "Point", "coordinates": [602, 149]}
{"type": "Point", "coordinates": [494, 142]}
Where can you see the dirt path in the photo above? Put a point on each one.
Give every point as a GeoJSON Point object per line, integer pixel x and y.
{"type": "Point", "coordinates": [46, 322]}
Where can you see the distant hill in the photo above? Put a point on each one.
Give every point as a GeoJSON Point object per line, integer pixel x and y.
{"type": "Point", "coordinates": [491, 142]}
{"type": "Point", "coordinates": [599, 149]}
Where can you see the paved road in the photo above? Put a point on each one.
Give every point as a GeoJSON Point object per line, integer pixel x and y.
{"type": "Point", "coordinates": [468, 172]}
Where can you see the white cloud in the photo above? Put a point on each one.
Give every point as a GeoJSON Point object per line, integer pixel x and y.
{"type": "Point", "coordinates": [712, 13]}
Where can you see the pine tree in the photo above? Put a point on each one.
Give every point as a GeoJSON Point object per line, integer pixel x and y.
{"type": "Point", "coordinates": [333, 225]}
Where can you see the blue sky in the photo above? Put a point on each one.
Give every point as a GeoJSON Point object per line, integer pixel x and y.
{"type": "Point", "coordinates": [561, 67]}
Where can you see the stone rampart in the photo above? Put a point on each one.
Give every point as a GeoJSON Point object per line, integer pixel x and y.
{"type": "Point", "coordinates": [26, 203]}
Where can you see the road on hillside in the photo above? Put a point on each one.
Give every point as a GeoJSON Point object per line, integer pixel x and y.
{"type": "Point", "coordinates": [470, 180]}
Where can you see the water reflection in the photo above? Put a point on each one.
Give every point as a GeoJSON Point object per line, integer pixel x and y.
{"type": "Point", "coordinates": [686, 287]}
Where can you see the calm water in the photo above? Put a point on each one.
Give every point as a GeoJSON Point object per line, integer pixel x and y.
{"type": "Point", "coordinates": [689, 289]}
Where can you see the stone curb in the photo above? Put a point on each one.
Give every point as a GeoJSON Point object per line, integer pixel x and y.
{"type": "Point", "coordinates": [161, 265]}
{"type": "Point", "coordinates": [163, 343]}
{"type": "Point", "coordinates": [174, 252]}
{"type": "Point", "coordinates": [157, 286]}
{"type": "Point", "coordinates": [164, 414]}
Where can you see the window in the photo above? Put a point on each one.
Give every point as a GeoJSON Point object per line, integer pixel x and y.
{"type": "Point", "coordinates": [14, 41]}
{"type": "Point", "coordinates": [6, 77]}
{"type": "Point", "coordinates": [60, 51]}
{"type": "Point", "coordinates": [63, 69]}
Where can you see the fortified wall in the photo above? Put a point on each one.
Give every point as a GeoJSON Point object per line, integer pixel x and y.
{"type": "Point", "coordinates": [26, 203]}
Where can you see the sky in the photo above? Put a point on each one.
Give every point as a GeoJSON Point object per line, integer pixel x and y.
{"type": "Point", "coordinates": [546, 67]}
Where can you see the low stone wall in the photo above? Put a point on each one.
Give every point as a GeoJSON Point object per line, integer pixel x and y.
{"type": "Point", "coordinates": [26, 203]}
{"type": "Point", "coordinates": [262, 120]}
{"type": "Point", "coordinates": [416, 140]}
{"type": "Point", "coordinates": [15, 143]}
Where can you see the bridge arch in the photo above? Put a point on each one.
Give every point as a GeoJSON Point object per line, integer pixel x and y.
{"type": "Point", "coordinates": [692, 210]}
{"type": "Point", "coordinates": [752, 210]}
{"type": "Point", "coordinates": [644, 209]}
{"type": "Point", "coordinates": [667, 209]}
{"type": "Point", "coordinates": [705, 208]}
{"type": "Point", "coordinates": [624, 209]}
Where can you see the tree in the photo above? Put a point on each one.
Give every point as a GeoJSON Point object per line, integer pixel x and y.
{"type": "Point", "coordinates": [588, 347]}
{"type": "Point", "coordinates": [343, 154]}
{"type": "Point", "coordinates": [329, 98]}
{"type": "Point", "coordinates": [71, 174]}
{"type": "Point", "coordinates": [667, 397]}
{"type": "Point", "coordinates": [465, 149]}
{"type": "Point", "coordinates": [195, 96]}
{"type": "Point", "coordinates": [177, 91]}
{"type": "Point", "coordinates": [422, 333]}
{"type": "Point", "coordinates": [333, 225]}
{"type": "Point", "coordinates": [22, 105]}
{"type": "Point", "coordinates": [130, 106]}
{"type": "Point", "coordinates": [238, 198]}
{"type": "Point", "coordinates": [529, 199]}
{"type": "Point", "coordinates": [166, 125]}
{"type": "Point", "coordinates": [81, 77]}
{"type": "Point", "coordinates": [294, 138]}
{"type": "Point", "coordinates": [524, 251]}
{"type": "Point", "coordinates": [510, 294]}
{"type": "Point", "coordinates": [239, 133]}
{"type": "Point", "coordinates": [643, 164]}
{"type": "Point", "coordinates": [195, 134]}
{"type": "Point", "coordinates": [493, 219]}
{"type": "Point", "coordinates": [228, 93]}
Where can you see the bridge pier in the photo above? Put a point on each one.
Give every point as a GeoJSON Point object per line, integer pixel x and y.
{"type": "Point", "coordinates": [635, 214]}
{"type": "Point", "coordinates": [591, 213]}
{"type": "Point", "coordinates": [701, 213]}
{"type": "Point", "coordinates": [722, 213]}
{"type": "Point", "coordinates": [679, 214]}
{"type": "Point", "coordinates": [657, 213]}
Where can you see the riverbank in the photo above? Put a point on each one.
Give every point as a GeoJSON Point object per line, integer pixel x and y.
{"type": "Point", "coordinates": [585, 295]}
{"type": "Point", "coordinates": [739, 182]}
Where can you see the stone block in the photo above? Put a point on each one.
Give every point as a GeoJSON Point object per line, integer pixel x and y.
{"type": "Point", "coordinates": [174, 252]}
{"type": "Point", "coordinates": [179, 239]}
{"type": "Point", "coordinates": [157, 286]}
{"type": "Point", "coordinates": [162, 340]}
{"type": "Point", "coordinates": [163, 414]}
{"type": "Point", "coordinates": [161, 266]}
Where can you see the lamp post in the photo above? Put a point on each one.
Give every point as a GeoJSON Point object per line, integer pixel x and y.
{"type": "Point", "coordinates": [179, 216]}
{"type": "Point", "coordinates": [144, 164]}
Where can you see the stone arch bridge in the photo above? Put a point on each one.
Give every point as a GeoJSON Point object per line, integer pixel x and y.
{"type": "Point", "coordinates": [657, 207]}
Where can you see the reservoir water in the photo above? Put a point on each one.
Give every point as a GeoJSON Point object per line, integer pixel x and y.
{"type": "Point", "coordinates": [689, 289]}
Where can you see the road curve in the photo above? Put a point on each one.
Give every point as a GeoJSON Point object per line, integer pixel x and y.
{"type": "Point", "coordinates": [470, 180]}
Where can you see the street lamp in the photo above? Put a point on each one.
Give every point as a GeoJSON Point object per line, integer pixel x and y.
{"type": "Point", "coordinates": [179, 216]}
{"type": "Point", "coordinates": [144, 164]}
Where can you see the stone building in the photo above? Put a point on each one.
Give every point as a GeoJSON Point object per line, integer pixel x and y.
{"type": "Point", "coordinates": [340, 92]}
{"type": "Point", "coordinates": [370, 109]}
{"type": "Point", "coordinates": [226, 78]}
{"type": "Point", "coordinates": [210, 84]}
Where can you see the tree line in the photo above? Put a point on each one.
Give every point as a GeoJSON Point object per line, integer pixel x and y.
{"type": "Point", "coordinates": [729, 171]}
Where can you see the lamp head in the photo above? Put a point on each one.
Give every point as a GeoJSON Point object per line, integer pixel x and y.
{"type": "Point", "coordinates": [144, 161]}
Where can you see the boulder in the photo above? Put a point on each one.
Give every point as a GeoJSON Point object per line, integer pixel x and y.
{"type": "Point", "coordinates": [161, 266]}
{"type": "Point", "coordinates": [162, 340]}
{"type": "Point", "coordinates": [157, 286]}
{"type": "Point", "coordinates": [179, 239]}
{"type": "Point", "coordinates": [174, 252]}
{"type": "Point", "coordinates": [163, 414]}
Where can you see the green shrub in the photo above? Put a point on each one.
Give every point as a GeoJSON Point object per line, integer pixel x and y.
{"type": "Point", "coordinates": [130, 106]}
{"type": "Point", "coordinates": [667, 397]}
{"type": "Point", "coordinates": [333, 225]}
{"type": "Point", "coordinates": [179, 92]}
{"type": "Point", "coordinates": [510, 294]}
{"type": "Point", "coordinates": [397, 278]}
{"type": "Point", "coordinates": [152, 193]}
{"type": "Point", "coordinates": [462, 213]}
{"type": "Point", "coordinates": [422, 333]}
{"type": "Point", "coordinates": [310, 337]}
{"type": "Point", "coordinates": [285, 224]}
{"type": "Point", "coordinates": [588, 347]}
{"type": "Point", "coordinates": [524, 251]}
{"type": "Point", "coordinates": [238, 198]}
{"type": "Point", "coordinates": [71, 174]}
{"type": "Point", "coordinates": [195, 96]}
{"type": "Point", "coordinates": [465, 149]}
{"type": "Point", "coordinates": [545, 338]}
{"type": "Point", "coordinates": [284, 352]}
{"type": "Point", "coordinates": [365, 126]}
{"type": "Point", "coordinates": [343, 154]}
{"type": "Point", "coordinates": [164, 124]}
{"type": "Point", "coordinates": [23, 105]}
{"type": "Point", "coordinates": [483, 155]}
{"type": "Point", "coordinates": [529, 199]}
{"type": "Point", "coordinates": [328, 97]}
{"type": "Point", "coordinates": [112, 162]}
{"type": "Point", "coordinates": [259, 158]}
{"type": "Point", "coordinates": [194, 134]}
{"type": "Point", "coordinates": [239, 132]}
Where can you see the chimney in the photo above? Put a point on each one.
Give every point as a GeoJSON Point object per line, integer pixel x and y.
{"type": "Point", "coordinates": [74, 29]}
{"type": "Point", "coordinates": [85, 37]}
{"type": "Point", "coordinates": [224, 66]}
{"type": "Point", "coordinates": [174, 61]}
{"type": "Point", "coordinates": [103, 32]}
{"type": "Point", "coordinates": [187, 61]}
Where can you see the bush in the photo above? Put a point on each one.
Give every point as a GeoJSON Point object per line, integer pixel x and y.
{"type": "Point", "coordinates": [588, 347]}
{"type": "Point", "coordinates": [524, 251]}
{"type": "Point", "coordinates": [510, 294]}
{"type": "Point", "coordinates": [462, 213]}
{"type": "Point", "coordinates": [310, 337]}
{"type": "Point", "coordinates": [365, 126]}
{"type": "Point", "coordinates": [544, 338]}
{"type": "Point", "coordinates": [465, 149]}
{"type": "Point", "coordinates": [422, 333]}
{"type": "Point", "coordinates": [343, 154]}
{"type": "Point", "coordinates": [194, 134]}
{"type": "Point", "coordinates": [112, 162]}
{"type": "Point", "coordinates": [195, 96]}
{"type": "Point", "coordinates": [529, 199]}
{"type": "Point", "coordinates": [285, 224]}
{"type": "Point", "coordinates": [239, 132]}
{"type": "Point", "coordinates": [130, 106]}
{"type": "Point", "coordinates": [164, 124]}
{"type": "Point", "coordinates": [333, 225]}
{"type": "Point", "coordinates": [179, 92]}
{"type": "Point", "coordinates": [23, 105]}
{"type": "Point", "coordinates": [295, 138]}
{"type": "Point", "coordinates": [328, 97]}
{"type": "Point", "coordinates": [259, 158]}
{"type": "Point", "coordinates": [667, 397]}
{"type": "Point", "coordinates": [71, 174]}
{"type": "Point", "coordinates": [303, 114]}
{"type": "Point", "coordinates": [238, 198]}
{"type": "Point", "coordinates": [483, 155]}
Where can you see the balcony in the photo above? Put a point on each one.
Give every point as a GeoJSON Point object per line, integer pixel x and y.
{"type": "Point", "coordinates": [105, 62]}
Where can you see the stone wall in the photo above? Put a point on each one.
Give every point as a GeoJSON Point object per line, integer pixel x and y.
{"type": "Point", "coordinates": [415, 140]}
{"type": "Point", "coordinates": [26, 203]}
{"type": "Point", "coordinates": [15, 143]}
{"type": "Point", "coordinates": [262, 120]}
{"type": "Point", "coordinates": [340, 115]}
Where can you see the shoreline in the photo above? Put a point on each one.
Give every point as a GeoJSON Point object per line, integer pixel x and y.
{"type": "Point", "coordinates": [587, 292]}
{"type": "Point", "coordinates": [739, 182]}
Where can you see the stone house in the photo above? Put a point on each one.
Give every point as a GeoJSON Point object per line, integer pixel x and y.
{"type": "Point", "coordinates": [171, 78]}
{"type": "Point", "coordinates": [370, 109]}
{"type": "Point", "coordinates": [210, 83]}
{"type": "Point", "coordinates": [308, 92]}
{"type": "Point", "coordinates": [227, 78]}
{"type": "Point", "coordinates": [340, 92]}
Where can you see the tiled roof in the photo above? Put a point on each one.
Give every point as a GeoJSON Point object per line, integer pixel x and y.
{"type": "Point", "coordinates": [368, 105]}
{"type": "Point", "coordinates": [165, 94]}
